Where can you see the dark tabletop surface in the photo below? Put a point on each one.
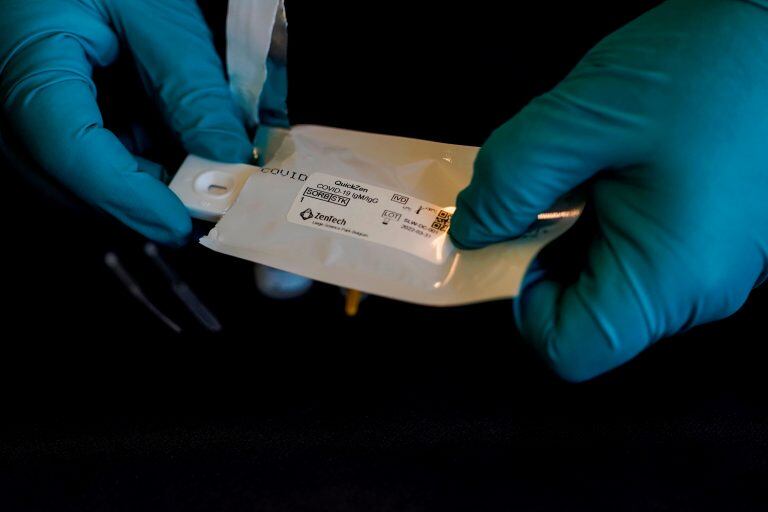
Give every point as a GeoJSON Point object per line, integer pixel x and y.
{"type": "Point", "coordinates": [296, 407]}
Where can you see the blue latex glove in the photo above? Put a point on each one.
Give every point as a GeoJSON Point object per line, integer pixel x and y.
{"type": "Point", "coordinates": [667, 123]}
{"type": "Point", "coordinates": [48, 49]}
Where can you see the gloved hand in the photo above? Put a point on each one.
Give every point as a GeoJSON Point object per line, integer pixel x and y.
{"type": "Point", "coordinates": [48, 49]}
{"type": "Point", "coordinates": [666, 124]}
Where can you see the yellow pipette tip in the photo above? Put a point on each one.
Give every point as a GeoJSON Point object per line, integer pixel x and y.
{"type": "Point", "coordinates": [352, 302]}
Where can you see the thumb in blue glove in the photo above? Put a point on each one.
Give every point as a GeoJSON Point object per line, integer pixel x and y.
{"type": "Point", "coordinates": [47, 52]}
{"type": "Point", "coordinates": [665, 124]}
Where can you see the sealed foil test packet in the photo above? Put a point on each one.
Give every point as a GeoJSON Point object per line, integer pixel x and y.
{"type": "Point", "coordinates": [362, 211]}
{"type": "Point", "coordinates": [369, 212]}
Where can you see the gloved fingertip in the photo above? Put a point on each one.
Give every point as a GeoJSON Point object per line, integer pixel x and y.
{"type": "Point", "coordinates": [177, 225]}
{"type": "Point", "coordinates": [178, 233]}
{"type": "Point", "coordinates": [154, 169]}
{"type": "Point", "coordinates": [478, 223]}
{"type": "Point", "coordinates": [175, 231]}
{"type": "Point", "coordinates": [464, 230]}
{"type": "Point", "coordinates": [458, 242]}
{"type": "Point", "coordinates": [149, 207]}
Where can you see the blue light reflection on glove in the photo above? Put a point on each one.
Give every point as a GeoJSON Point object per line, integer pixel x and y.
{"type": "Point", "coordinates": [666, 121]}
{"type": "Point", "coordinates": [48, 49]}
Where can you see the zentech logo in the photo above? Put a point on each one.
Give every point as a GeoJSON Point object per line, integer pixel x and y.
{"type": "Point", "coordinates": [309, 214]}
{"type": "Point", "coordinates": [331, 219]}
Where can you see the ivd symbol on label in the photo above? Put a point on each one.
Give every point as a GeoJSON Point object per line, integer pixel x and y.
{"type": "Point", "coordinates": [307, 214]}
{"type": "Point", "coordinates": [398, 198]}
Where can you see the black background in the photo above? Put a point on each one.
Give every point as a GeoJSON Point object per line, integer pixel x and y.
{"type": "Point", "coordinates": [294, 406]}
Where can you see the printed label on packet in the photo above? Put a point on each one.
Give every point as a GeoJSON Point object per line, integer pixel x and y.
{"type": "Point", "coordinates": [375, 214]}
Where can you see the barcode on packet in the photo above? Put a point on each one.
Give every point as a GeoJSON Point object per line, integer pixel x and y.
{"type": "Point", "coordinates": [442, 221]}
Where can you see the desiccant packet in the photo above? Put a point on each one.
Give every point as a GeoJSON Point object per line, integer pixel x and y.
{"type": "Point", "coordinates": [371, 212]}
